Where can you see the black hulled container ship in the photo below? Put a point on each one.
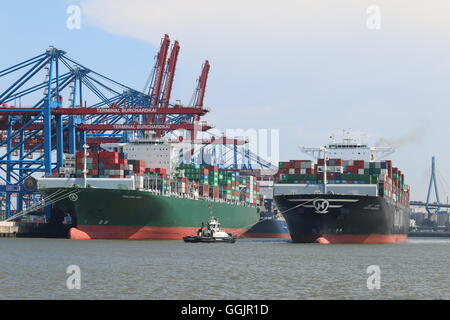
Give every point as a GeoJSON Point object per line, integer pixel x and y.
{"type": "Point", "coordinates": [347, 196]}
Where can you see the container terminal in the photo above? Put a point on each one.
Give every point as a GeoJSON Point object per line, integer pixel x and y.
{"type": "Point", "coordinates": [70, 135]}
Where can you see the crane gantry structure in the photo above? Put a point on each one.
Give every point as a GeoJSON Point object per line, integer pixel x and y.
{"type": "Point", "coordinates": [98, 109]}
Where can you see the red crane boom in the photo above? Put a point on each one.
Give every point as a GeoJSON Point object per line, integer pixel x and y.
{"type": "Point", "coordinates": [170, 74]}
{"type": "Point", "coordinates": [202, 87]}
{"type": "Point", "coordinates": [200, 94]}
{"type": "Point", "coordinates": [169, 77]}
{"type": "Point", "coordinates": [159, 72]}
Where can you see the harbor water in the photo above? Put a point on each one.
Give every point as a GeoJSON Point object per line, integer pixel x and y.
{"type": "Point", "coordinates": [248, 269]}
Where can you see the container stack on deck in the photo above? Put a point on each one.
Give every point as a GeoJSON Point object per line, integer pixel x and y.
{"type": "Point", "coordinates": [103, 165]}
{"type": "Point", "coordinates": [209, 181]}
{"type": "Point", "coordinates": [390, 180]}
{"type": "Point", "coordinates": [154, 178]}
{"type": "Point", "coordinates": [219, 183]}
{"type": "Point", "coordinates": [91, 164]}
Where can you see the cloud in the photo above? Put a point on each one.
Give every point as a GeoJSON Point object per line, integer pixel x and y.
{"type": "Point", "coordinates": [257, 23]}
{"type": "Point", "coordinates": [275, 41]}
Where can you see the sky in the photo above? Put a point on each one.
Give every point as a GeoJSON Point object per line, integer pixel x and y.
{"type": "Point", "coordinates": [306, 68]}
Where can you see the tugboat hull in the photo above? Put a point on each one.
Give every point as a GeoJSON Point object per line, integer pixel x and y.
{"type": "Point", "coordinates": [195, 239]}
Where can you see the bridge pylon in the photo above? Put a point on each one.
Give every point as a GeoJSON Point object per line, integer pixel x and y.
{"type": "Point", "coordinates": [433, 183]}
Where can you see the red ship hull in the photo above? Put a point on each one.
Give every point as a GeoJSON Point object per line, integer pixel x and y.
{"type": "Point", "coordinates": [87, 232]}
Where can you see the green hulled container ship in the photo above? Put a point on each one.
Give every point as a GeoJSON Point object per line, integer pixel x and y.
{"type": "Point", "coordinates": [98, 213]}
{"type": "Point", "coordinates": [138, 191]}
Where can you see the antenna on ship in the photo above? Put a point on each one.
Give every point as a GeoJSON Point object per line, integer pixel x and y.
{"type": "Point", "coordinates": [85, 147]}
{"type": "Point", "coordinates": [325, 152]}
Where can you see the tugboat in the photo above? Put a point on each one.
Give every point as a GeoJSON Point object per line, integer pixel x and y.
{"type": "Point", "coordinates": [211, 233]}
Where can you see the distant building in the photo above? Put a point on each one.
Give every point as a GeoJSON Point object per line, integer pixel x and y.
{"type": "Point", "coordinates": [418, 216]}
{"type": "Point", "coordinates": [442, 219]}
{"type": "Point", "coordinates": [434, 218]}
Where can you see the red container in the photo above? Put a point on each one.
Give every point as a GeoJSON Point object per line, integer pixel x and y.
{"type": "Point", "coordinates": [389, 163]}
{"type": "Point", "coordinates": [108, 155]}
{"type": "Point", "coordinates": [361, 164]}
{"type": "Point", "coordinates": [203, 190]}
{"type": "Point", "coordinates": [288, 165]}
{"type": "Point", "coordinates": [109, 160]}
{"type": "Point", "coordinates": [162, 171]}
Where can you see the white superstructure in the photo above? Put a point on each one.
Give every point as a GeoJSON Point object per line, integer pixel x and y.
{"type": "Point", "coordinates": [349, 149]}
{"type": "Point", "coordinates": [156, 154]}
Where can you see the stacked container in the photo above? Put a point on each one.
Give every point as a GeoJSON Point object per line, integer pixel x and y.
{"type": "Point", "coordinates": [390, 180]}
{"type": "Point", "coordinates": [91, 164]}
{"type": "Point", "coordinates": [69, 168]}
